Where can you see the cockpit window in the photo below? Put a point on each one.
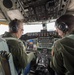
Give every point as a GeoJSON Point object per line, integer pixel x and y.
{"type": "Point", "coordinates": [3, 28]}
{"type": "Point", "coordinates": [30, 28]}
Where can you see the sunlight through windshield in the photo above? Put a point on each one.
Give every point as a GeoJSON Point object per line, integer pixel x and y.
{"type": "Point", "coordinates": [29, 28]}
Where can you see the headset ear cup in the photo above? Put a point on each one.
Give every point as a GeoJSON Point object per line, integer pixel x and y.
{"type": "Point", "coordinates": [14, 29]}
{"type": "Point", "coordinates": [63, 27]}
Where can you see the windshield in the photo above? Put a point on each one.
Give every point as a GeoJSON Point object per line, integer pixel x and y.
{"type": "Point", "coordinates": [30, 28]}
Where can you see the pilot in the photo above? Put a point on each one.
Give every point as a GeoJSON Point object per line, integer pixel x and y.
{"type": "Point", "coordinates": [62, 60]}
{"type": "Point", "coordinates": [16, 47]}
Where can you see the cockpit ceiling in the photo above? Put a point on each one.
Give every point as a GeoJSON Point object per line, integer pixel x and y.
{"type": "Point", "coordinates": [35, 10]}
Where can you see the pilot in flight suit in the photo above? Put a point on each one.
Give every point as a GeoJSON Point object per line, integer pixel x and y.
{"type": "Point", "coordinates": [62, 53]}
{"type": "Point", "coordinates": [16, 47]}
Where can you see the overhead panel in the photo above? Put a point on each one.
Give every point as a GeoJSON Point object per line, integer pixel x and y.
{"type": "Point", "coordinates": [33, 10]}
{"type": "Point", "coordinates": [42, 10]}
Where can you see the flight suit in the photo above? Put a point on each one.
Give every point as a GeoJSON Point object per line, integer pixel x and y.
{"type": "Point", "coordinates": [62, 60]}
{"type": "Point", "coordinates": [16, 47]}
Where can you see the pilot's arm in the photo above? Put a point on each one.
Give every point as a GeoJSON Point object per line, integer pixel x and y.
{"type": "Point", "coordinates": [24, 56]}
{"type": "Point", "coordinates": [56, 59]}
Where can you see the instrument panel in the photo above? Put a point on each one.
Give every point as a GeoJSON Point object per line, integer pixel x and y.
{"type": "Point", "coordinates": [44, 39]}
{"type": "Point", "coordinates": [43, 33]}
{"type": "Point", "coordinates": [45, 42]}
{"type": "Point", "coordinates": [39, 43]}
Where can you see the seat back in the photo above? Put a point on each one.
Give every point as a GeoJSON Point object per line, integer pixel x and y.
{"type": "Point", "coordinates": [10, 68]}
{"type": "Point", "coordinates": [4, 64]}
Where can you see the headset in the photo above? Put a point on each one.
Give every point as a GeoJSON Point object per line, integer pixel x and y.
{"type": "Point", "coordinates": [13, 26]}
{"type": "Point", "coordinates": [62, 26]}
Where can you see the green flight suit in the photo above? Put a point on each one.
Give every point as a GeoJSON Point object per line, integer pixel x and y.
{"type": "Point", "coordinates": [62, 60]}
{"type": "Point", "coordinates": [17, 48]}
